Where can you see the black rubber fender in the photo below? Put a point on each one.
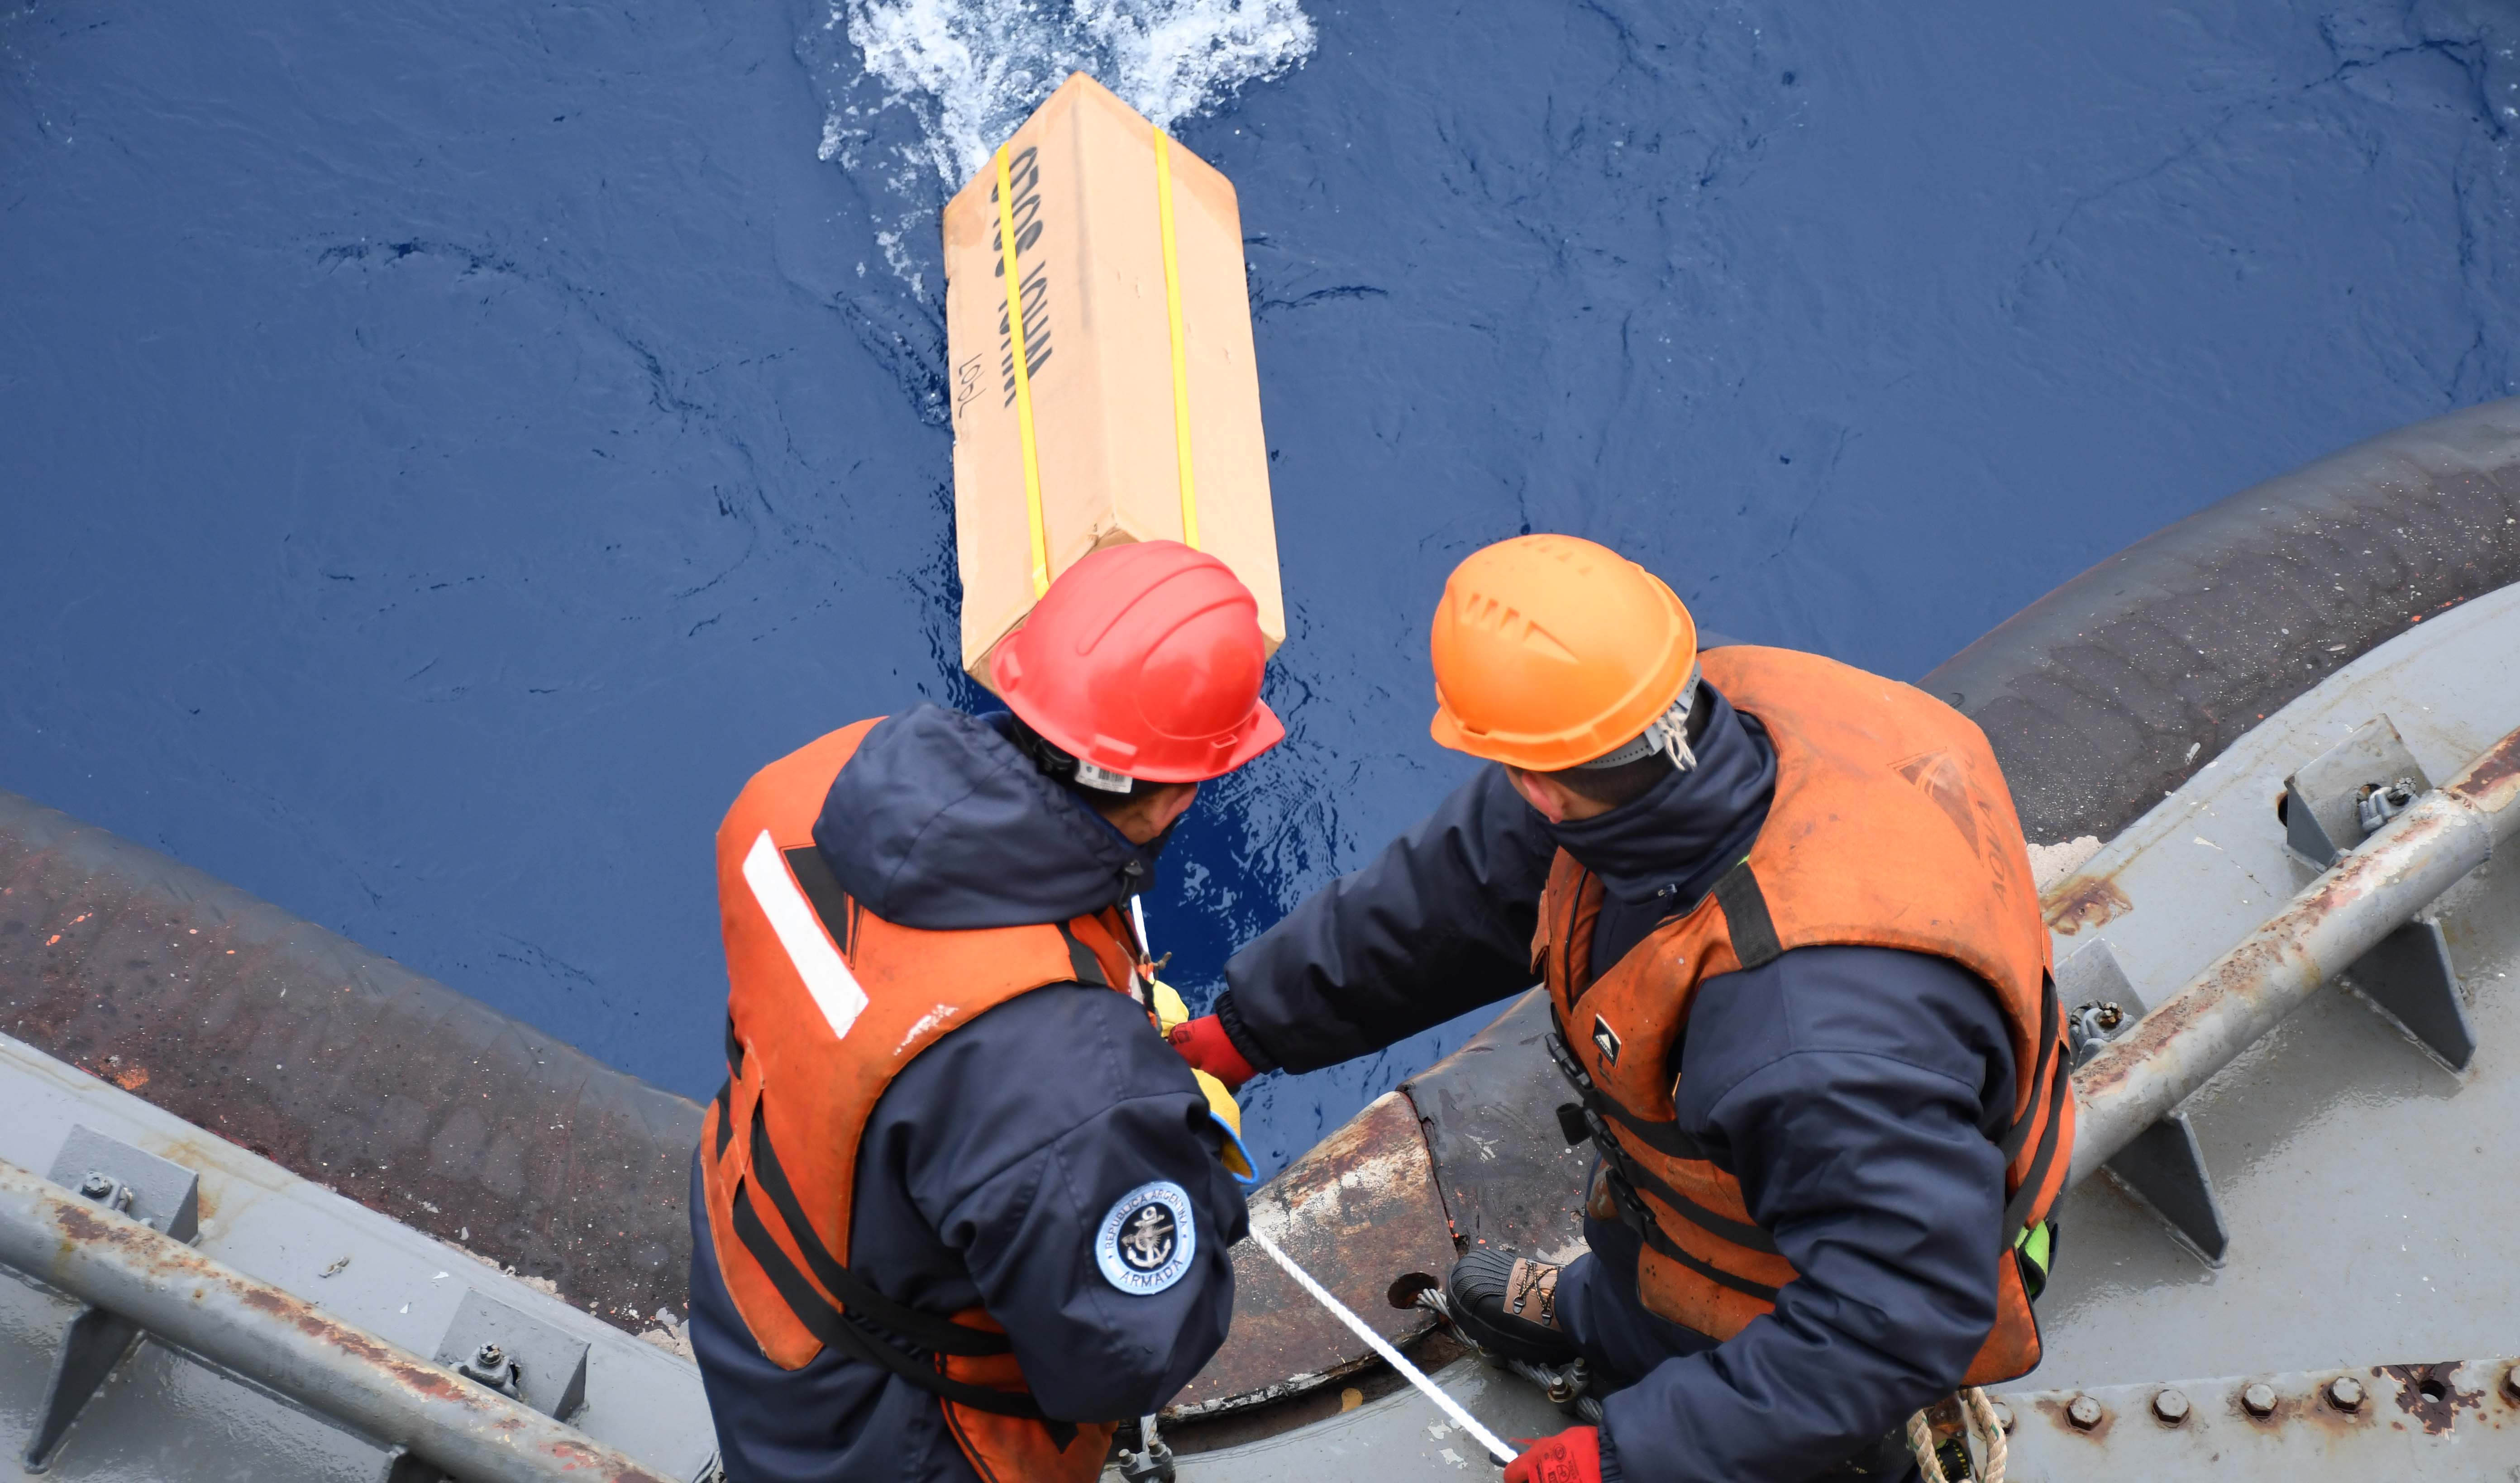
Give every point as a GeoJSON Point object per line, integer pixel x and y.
{"type": "Point", "coordinates": [2111, 691]}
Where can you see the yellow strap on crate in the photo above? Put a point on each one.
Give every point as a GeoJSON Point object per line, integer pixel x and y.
{"type": "Point", "coordinates": [1023, 370]}
{"type": "Point", "coordinates": [1173, 315]}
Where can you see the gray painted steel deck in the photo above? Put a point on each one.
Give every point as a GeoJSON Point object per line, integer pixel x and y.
{"type": "Point", "coordinates": [2367, 1187]}
{"type": "Point", "coordinates": [162, 1416]}
{"type": "Point", "coordinates": [1400, 1436]}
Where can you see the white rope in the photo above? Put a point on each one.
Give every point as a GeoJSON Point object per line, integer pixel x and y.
{"type": "Point", "coordinates": [1988, 1428]}
{"type": "Point", "coordinates": [1985, 1429]}
{"type": "Point", "coordinates": [1383, 1346]}
{"type": "Point", "coordinates": [1920, 1440]}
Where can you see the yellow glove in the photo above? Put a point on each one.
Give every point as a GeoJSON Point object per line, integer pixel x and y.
{"type": "Point", "coordinates": [1169, 1009]}
{"type": "Point", "coordinates": [1221, 1106]}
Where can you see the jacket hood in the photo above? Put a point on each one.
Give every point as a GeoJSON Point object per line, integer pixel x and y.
{"type": "Point", "coordinates": [1674, 842]}
{"type": "Point", "coordinates": [939, 823]}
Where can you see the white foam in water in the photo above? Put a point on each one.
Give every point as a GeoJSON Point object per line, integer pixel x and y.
{"type": "Point", "coordinates": [970, 69]}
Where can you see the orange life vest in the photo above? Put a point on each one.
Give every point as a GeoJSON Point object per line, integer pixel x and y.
{"type": "Point", "coordinates": [1891, 827]}
{"type": "Point", "coordinates": [827, 1003]}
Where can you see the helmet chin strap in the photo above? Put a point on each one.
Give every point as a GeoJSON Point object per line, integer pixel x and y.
{"type": "Point", "coordinates": [1675, 734]}
{"type": "Point", "coordinates": [1668, 735]}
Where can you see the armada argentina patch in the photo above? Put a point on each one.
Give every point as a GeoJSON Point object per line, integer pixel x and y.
{"type": "Point", "coordinates": [1147, 1239]}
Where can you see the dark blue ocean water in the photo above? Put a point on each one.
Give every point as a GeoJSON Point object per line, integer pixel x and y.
{"type": "Point", "coordinates": [445, 447]}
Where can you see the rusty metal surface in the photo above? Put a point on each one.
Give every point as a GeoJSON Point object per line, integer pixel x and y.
{"type": "Point", "coordinates": [341, 1065]}
{"type": "Point", "coordinates": [286, 1344]}
{"type": "Point", "coordinates": [1358, 1212]}
{"type": "Point", "coordinates": [2083, 901]}
{"type": "Point", "coordinates": [2447, 1418]}
{"type": "Point", "coordinates": [1508, 1176]}
{"type": "Point", "coordinates": [2370, 893]}
{"type": "Point", "coordinates": [2125, 682]}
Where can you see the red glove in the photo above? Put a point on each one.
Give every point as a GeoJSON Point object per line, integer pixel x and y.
{"type": "Point", "coordinates": [1573, 1456]}
{"type": "Point", "coordinates": [1203, 1043]}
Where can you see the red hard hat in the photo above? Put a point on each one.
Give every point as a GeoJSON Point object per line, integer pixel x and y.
{"type": "Point", "coordinates": [1144, 659]}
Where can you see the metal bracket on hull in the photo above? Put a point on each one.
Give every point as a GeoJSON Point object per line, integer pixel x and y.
{"type": "Point", "coordinates": [2339, 798]}
{"type": "Point", "coordinates": [2343, 915]}
{"type": "Point", "coordinates": [1144, 1456]}
{"type": "Point", "coordinates": [2409, 977]}
{"type": "Point", "coordinates": [158, 1193]}
{"type": "Point", "coordinates": [2163, 1167]}
{"type": "Point", "coordinates": [2331, 804]}
{"type": "Point", "coordinates": [492, 1344]}
{"type": "Point", "coordinates": [404, 1466]}
{"type": "Point", "coordinates": [516, 1355]}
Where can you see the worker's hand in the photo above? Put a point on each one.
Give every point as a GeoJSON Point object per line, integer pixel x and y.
{"type": "Point", "coordinates": [1573, 1456]}
{"type": "Point", "coordinates": [1203, 1043]}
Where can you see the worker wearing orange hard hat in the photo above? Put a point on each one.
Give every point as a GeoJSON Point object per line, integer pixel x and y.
{"type": "Point", "coordinates": [1784, 917]}
{"type": "Point", "coordinates": [957, 1211]}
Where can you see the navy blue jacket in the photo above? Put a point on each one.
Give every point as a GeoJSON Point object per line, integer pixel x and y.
{"type": "Point", "coordinates": [990, 1162]}
{"type": "Point", "coordinates": [1855, 1093]}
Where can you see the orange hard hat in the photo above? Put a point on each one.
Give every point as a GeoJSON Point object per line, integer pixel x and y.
{"type": "Point", "coordinates": [1552, 651]}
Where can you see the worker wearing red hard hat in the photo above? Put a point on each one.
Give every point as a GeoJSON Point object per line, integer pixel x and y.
{"type": "Point", "coordinates": [959, 1210]}
{"type": "Point", "coordinates": [1798, 985]}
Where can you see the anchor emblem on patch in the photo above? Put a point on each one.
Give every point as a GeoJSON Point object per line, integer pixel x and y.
{"type": "Point", "coordinates": [1606, 1038]}
{"type": "Point", "coordinates": [1147, 1239]}
{"type": "Point", "coordinates": [1150, 1238]}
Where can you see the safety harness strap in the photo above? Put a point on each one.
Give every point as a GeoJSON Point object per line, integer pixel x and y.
{"type": "Point", "coordinates": [2016, 1211]}
{"type": "Point", "coordinates": [927, 1330]}
{"type": "Point", "coordinates": [1754, 939]}
{"type": "Point", "coordinates": [2049, 1087]}
{"type": "Point", "coordinates": [1641, 1221]}
{"type": "Point", "coordinates": [1081, 959]}
{"type": "Point", "coordinates": [1738, 1232]}
{"type": "Point", "coordinates": [843, 1333]}
{"type": "Point", "coordinates": [2019, 1132]}
{"type": "Point", "coordinates": [1627, 1176]}
{"type": "Point", "coordinates": [1745, 917]}
{"type": "Point", "coordinates": [725, 1098]}
{"type": "Point", "coordinates": [832, 905]}
{"type": "Point", "coordinates": [1664, 1137]}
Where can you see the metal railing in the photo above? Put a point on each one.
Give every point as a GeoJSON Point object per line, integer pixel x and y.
{"type": "Point", "coordinates": [282, 1342]}
{"type": "Point", "coordinates": [2370, 892]}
